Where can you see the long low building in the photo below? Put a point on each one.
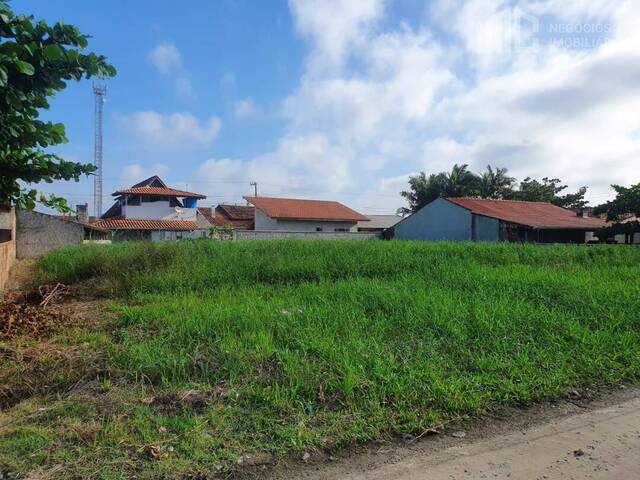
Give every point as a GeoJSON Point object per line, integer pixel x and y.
{"type": "Point", "coordinates": [296, 215]}
{"type": "Point", "coordinates": [483, 220]}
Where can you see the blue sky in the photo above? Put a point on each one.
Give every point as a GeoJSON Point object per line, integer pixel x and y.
{"type": "Point", "coordinates": [344, 99]}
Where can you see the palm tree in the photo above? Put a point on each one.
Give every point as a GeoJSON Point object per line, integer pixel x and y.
{"type": "Point", "coordinates": [423, 189]}
{"type": "Point", "coordinates": [496, 183]}
{"type": "Point", "coordinates": [460, 182]}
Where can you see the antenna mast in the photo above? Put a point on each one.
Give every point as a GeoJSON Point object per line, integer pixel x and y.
{"type": "Point", "coordinates": [100, 96]}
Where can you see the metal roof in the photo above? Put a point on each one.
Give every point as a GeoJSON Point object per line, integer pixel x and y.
{"type": "Point", "coordinates": [380, 221]}
{"type": "Point", "coordinates": [538, 215]}
{"type": "Point", "coordinates": [297, 209]}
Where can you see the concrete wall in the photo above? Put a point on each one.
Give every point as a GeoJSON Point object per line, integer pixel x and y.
{"type": "Point", "coordinates": [485, 229]}
{"type": "Point", "coordinates": [158, 235]}
{"type": "Point", "coordinates": [37, 233]}
{"type": "Point", "coordinates": [635, 241]}
{"type": "Point", "coordinates": [8, 244]}
{"type": "Point", "coordinates": [265, 222]}
{"type": "Point", "coordinates": [282, 235]}
{"type": "Point", "coordinates": [438, 220]}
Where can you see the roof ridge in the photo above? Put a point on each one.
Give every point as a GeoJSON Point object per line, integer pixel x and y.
{"type": "Point", "coordinates": [289, 198]}
{"type": "Point", "coordinates": [499, 200]}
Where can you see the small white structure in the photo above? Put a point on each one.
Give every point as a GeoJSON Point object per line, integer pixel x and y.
{"type": "Point", "coordinates": [296, 215]}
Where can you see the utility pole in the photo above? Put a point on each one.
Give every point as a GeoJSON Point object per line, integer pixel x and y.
{"type": "Point", "coordinates": [100, 96]}
{"type": "Point", "coordinates": [255, 188]}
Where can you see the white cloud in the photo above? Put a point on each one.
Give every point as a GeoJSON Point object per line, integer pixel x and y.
{"type": "Point", "coordinates": [300, 166]}
{"type": "Point", "coordinates": [377, 102]}
{"type": "Point", "coordinates": [333, 25]}
{"type": "Point", "coordinates": [166, 58]}
{"type": "Point", "coordinates": [155, 130]}
{"type": "Point", "coordinates": [135, 172]}
{"type": "Point", "coordinates": [168, 61]}
{"type": "Point", "coordinates": [245, 108]}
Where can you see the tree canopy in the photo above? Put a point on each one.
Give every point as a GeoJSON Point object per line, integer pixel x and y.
{"type": "Point", "coordinates": [493, 183]}
{"type": "Point", "coordinates": [621, 211]}
{"type": "Point", "coordinates": [36, 61]}
{"type": "Point", "coordinates": [626, 203]}
{"type": "Point", "coordinates": [548, 190]}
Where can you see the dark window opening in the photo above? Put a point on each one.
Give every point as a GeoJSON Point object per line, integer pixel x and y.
{"type": "Point", "coordinates": [318, 229]}
{"type": "Point", "coordinates": [5, 236]}
{"type": "Point", "coordinates": [133, 200]}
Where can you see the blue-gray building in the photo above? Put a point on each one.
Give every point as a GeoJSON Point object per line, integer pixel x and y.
{"type": "Point", "coordinates": [485, 220]}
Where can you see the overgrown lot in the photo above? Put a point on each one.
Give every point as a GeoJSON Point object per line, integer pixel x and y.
{"type": "Point", "coordinates": [226, 351]}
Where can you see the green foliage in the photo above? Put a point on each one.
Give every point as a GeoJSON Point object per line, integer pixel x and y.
{"type": "Point", "coordinates": [626, 203]}
{"type": "Point", "coordinates": [628, 229]}
{"type": "Point", "coordinates": [548, 190]}
{"type": "Point", "coordinates": [221, 232]}
{"type": "Point", "coordinates": [496, 184]}
{"type": "Point", "coordinates": [460, 182]}
{"type": "Point", "coordinates": [322, 344]}
{"type": "Point", "coordinates": [36, 61]}
{"type": "Point", "coordinates": [492, 183]}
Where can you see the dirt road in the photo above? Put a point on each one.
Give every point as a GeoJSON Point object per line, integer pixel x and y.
{"type": "Point", "coordinates": [598, 443]}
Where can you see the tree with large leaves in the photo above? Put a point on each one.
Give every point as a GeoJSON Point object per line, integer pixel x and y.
{"type": "Point", "coordinates": [493, 183]}
{"type": "Point", "coordinates": [548, 190]}
{"type": "Point", "coordinates": [626, 203]}
{"type": "Point", "coordinates": [36, 61]}
{"type": "Point", "coordinates": [459, 182]}
{"type": "Point", "coordinates": [423, 189]}
{"type": "Point", "coordinates": [496, 183]}
{"type": "Point", "coordinates": [621, 211]}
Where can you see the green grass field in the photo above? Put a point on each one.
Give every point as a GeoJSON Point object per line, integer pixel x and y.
{"type": "Point", "coordinates": [288, 346]}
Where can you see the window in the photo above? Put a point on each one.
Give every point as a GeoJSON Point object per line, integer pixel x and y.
{"type": "Point", "coordinates": [341, 230]}
{"type": "Point", "coordinates": [318, 229]}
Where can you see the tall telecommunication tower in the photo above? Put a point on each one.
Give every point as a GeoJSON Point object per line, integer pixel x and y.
{"type": "Point", "coordinates": [100, 96]}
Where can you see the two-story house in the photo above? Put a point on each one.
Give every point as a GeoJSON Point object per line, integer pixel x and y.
{"type": "Point", "coordinates": [150, 210]}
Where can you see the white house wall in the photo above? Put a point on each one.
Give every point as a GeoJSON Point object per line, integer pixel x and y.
{"type": "Point", "coordinates": [157, 211]}
{"type": "Point", "coordinates": [265, 222]}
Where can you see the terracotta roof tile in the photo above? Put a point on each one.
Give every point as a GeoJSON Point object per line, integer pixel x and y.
{"type": "Point", "coordinates": [143, 224]}
{"type": "Point", "coordinates": [170, 192]}
{"type": "Point", "coordinates": [206, 213]}
{"type": "Point", "coordinates": [295, 209]}
{"type": "Point", "coordinates": [531, 214]}
{"type": "Point", "coordinates": [238, 212]}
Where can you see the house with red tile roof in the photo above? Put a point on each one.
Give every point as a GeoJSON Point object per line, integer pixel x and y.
{"type": "Point", "coordinates": [150, 210]}
{"type": "Point", "coordinates": [234, 216]}
{"type": "Point", "coordinates": [297, 215]}
{"type": "Point", "coordinates": [476, 219]}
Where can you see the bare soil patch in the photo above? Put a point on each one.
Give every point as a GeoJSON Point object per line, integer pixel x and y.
{"type": "Point", "coordinates": [359, 460]}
